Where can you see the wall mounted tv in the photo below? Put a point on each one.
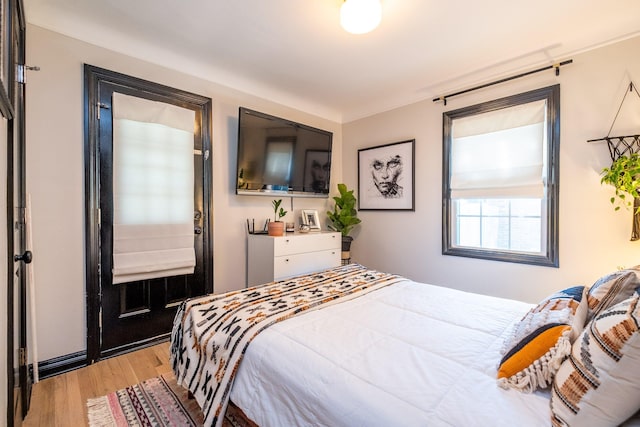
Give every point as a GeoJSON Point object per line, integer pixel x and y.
{"type": "Point", "coordinates": [278, 156]}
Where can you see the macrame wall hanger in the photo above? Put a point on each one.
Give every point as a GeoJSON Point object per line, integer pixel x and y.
{"type": "Point", "coordinates": [621, 145]}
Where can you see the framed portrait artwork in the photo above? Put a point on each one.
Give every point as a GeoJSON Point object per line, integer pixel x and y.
{"type": "Point", "coordinates": [311, 219]}
{"type": "Point", "coordinates": [386, 177]}
{"type": "Point", "coordinates": [317, 168]}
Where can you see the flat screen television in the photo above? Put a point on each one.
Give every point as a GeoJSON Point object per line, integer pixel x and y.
{"type": "Point", "coordinates": [279, 156]}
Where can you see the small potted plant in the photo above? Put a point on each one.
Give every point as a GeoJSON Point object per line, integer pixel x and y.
{"type": "Point", "coordinates": [344, 217]}
{"type": "Point", "coordinates": [276, 227]}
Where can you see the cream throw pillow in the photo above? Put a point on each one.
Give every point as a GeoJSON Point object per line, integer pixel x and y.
{"type": "Point", "coordinates": [599, 384]}
{"type": "Point", "coordinates": [609, 290]}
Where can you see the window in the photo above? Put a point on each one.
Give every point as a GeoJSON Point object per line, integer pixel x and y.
{"type": "Point", "coordinates": [500, 172]}
{"type": "Point", "coordinates": [153, 189]}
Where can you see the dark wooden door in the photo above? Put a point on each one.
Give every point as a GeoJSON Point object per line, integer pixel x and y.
{"type": "Point", "coordinates": [13, 76]}
{"type": "Point", "coordinates": [136, 313]}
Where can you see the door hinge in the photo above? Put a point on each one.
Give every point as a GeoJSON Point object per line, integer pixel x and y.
{"type": "Point", "coordinates": [22, 356]}
{"type": "Point", "coordinates": [21, 72]}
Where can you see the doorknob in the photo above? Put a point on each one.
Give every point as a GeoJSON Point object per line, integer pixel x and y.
{"type": "Point", "coordinates": [197, 229]}
{"type": "Point", "coordinates": [27, 257]}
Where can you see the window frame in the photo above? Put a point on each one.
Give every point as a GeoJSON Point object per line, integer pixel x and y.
{"type": "Point", "coordinates": [549, 256]}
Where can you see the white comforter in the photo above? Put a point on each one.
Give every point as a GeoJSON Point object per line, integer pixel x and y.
{"type": "Point", "coordinates": [407, 355]}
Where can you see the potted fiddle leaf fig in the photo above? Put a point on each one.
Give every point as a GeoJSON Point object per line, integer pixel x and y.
{"type": "Point", "coordinates": [276, 227]}
{"type": "Point", "coordinates": [344, 217]}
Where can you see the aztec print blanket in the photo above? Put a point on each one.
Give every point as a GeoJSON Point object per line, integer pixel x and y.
{"type": "Point", "coordinates": [210, 334]}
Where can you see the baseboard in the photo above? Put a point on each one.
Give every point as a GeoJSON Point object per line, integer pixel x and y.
{"type": "Point", "coordinates": [69, 362]}
{"type": "Point", "coordinates": [61, 364]}
{"type": "Point", "coordinates": [135, 346]}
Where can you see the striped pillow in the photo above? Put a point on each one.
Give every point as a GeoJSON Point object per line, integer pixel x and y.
{"type": "Point", "coordinates": [612, 289]}
{"type": "Point", "coordinates": [599, 384]}
{"type": "Point", "coordinates": [541, 340]}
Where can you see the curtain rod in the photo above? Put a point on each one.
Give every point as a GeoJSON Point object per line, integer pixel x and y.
{"type": "Point", "coordinates": [506, 79]}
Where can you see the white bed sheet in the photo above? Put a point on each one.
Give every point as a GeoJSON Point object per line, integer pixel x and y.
{"type": "Point", "coordinates": [410, 354]}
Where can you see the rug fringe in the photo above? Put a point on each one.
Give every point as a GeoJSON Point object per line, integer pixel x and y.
{"type": "Point", "coordinates": [99, 412]}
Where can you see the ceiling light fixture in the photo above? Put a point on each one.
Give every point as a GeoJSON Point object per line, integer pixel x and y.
{"type": "Point", "coordinates": [360, 16]}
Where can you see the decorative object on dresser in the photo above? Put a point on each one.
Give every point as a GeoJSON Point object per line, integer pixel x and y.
{"type": "Point", "coordinates": [311, 220]}
{"type": "Point", "coordinates": [344, 217]}
{"type": "Point", "coordinates": [276, 258]}
{"type": "Point", "coordinates": [276, 228]}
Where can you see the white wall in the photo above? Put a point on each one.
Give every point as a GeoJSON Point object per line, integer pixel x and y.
{"type": "Point", "coordinates": [594, 239]}
{"type": "Point", "coordinates": [55, 179]}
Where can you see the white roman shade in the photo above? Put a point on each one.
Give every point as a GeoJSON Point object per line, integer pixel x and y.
{"type": "Point", "coordinates": [153, 182]}
{"type": "Point", "coordinates": [499, 154]}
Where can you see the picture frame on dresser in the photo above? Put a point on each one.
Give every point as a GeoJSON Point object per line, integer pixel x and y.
{"type": "Point", "coordinates": [311, 219]}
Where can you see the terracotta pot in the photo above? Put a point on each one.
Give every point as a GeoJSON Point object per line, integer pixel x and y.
{"type": "Point", "coordinates": [276, 228]}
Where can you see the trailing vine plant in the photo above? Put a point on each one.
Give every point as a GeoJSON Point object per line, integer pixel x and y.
{"type": "Point", "coordinates": [624, 175]}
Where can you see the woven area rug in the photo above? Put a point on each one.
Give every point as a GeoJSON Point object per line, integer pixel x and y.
{"type": "Point", "coordinates": [158, 402]}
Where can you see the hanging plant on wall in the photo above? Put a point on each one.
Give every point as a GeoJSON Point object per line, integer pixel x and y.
{"type": "Point", "coordinates": [624, 176]}
{"type": "Point", "coordinates": [624, 173]}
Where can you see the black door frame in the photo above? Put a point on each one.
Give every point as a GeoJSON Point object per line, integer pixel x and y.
{"type": "Point", "coordinates": [93, 76]}
{"type": "Point", "coordinates": [12, 99]}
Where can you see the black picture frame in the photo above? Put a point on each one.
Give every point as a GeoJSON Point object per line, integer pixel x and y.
{"type": "Point", "coordinates": [6, 107]}
{"type": "Point", "coordinates": [386, 177]}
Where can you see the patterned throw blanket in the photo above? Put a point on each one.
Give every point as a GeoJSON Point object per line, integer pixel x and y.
{"type": "Point", "coordinates": [211, 334]}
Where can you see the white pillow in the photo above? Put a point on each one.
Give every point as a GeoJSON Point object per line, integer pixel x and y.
{"type": "Point", "coordinates": [599, 384]}
{"type": "Point", "coordinates": [611, 289]}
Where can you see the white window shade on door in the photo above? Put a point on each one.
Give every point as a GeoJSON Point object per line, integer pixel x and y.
{"type": "Point", "coordinates": [153, 184]}
{"type": "Point", "coordinates": [500, 153]}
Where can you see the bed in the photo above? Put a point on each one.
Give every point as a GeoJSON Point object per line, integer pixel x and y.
{"type": "Point", "coordinates": [397, 352]}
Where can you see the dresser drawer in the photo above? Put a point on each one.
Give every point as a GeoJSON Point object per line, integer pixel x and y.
{"type": "Point", "coordinates": [303, 243]}
{"type": "Point", "coordinates": [293, 265]}
{"type": "Point", "coordinates": [273, 258]}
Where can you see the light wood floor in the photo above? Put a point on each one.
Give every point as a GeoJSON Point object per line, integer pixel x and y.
{"type": "Point", "coordinates": [61, 400]}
